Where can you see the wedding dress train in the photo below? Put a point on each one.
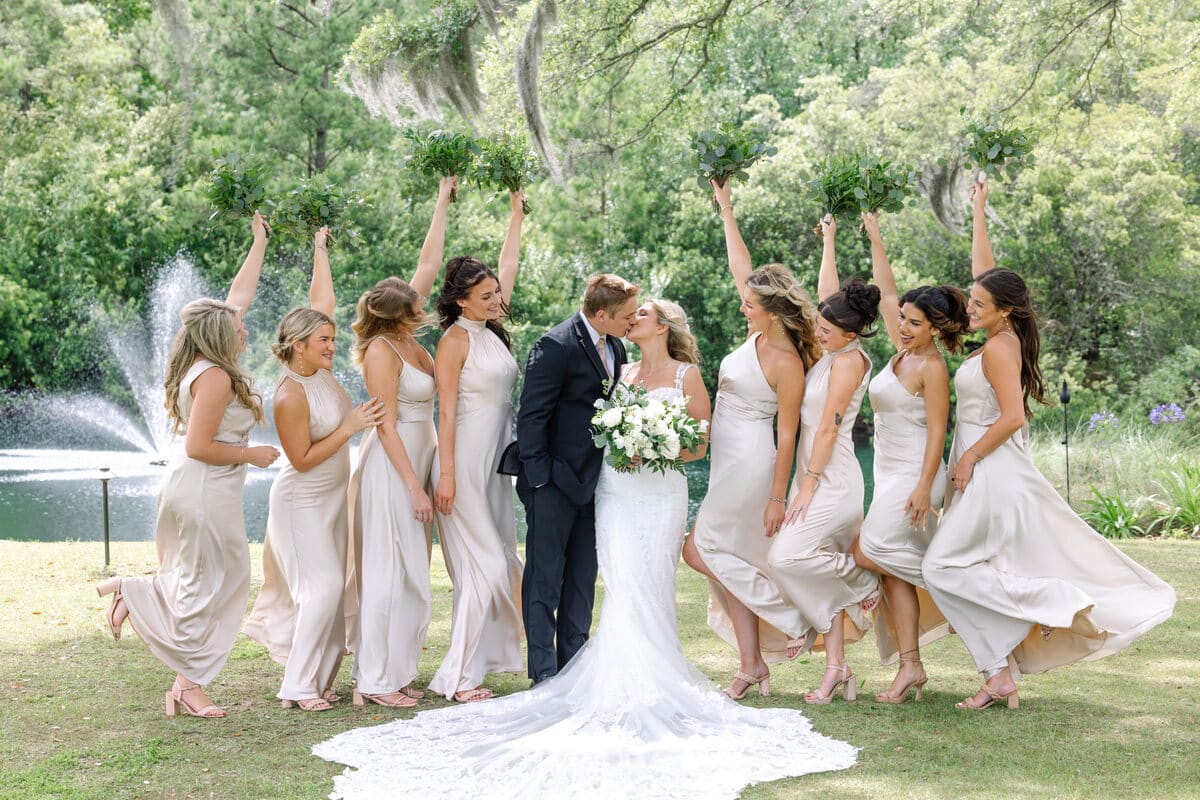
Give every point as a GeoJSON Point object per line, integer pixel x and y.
{"type": "Point", "coordinates": [628, 716]}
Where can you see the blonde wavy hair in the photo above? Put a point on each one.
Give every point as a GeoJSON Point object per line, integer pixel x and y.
{"type": "Point", "coordinates": [391, 306]}
{"type": "Point", "coordinates": [209, 331]}
{"type": "Point", "coordinates": [681, 342]}
{"type": "Point", "coordinates": [296, 326]}
{"type": "Point", "coordinates": [782, 295]}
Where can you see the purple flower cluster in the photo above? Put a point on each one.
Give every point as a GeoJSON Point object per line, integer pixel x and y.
{"type": "Point", "coordinates": [1103, 420]}
{"type": "Point", "coordinates": [1165, 413]}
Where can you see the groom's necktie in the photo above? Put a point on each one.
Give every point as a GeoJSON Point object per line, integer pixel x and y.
{"type": "Point", "coordinates": [602, 349]}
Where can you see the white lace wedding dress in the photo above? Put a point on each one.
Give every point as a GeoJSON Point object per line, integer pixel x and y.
{"type": "Point", "coordinates": [628, 716]}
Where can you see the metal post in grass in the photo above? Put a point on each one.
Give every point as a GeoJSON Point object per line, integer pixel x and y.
{"type": "Point", "coordinates": [104, 478]}
{"type": "Point", "coordinates": [1065, 397]}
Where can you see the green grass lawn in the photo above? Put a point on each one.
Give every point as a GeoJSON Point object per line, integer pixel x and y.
{"type": "Point", "coordinates": [82, 716]}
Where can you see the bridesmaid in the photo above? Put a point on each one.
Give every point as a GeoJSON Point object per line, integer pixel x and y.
{"type": "Point", "coordinates": [911, 401]}
{"type": "Point", "coordinates": [759, 382]}
{"type": "Point", "coordinates": [476, 373]}
{"type": "Point", "coordinates": [1024, 581]}
{"type": "Point", "coordinates": [190, 611]}
{"type": "Point", "coordinates": [392, 510]}
{"type": "Point", "coordinates": [298, 615]}
{"type": "Point", "coordinates": [808, 558]}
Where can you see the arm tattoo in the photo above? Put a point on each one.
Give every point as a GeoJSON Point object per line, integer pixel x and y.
{"type": "Point", "coordinates": [837, 419]}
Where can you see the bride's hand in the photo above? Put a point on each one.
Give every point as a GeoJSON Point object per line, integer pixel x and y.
{"type": "Point", "coordinates": [772, 517]}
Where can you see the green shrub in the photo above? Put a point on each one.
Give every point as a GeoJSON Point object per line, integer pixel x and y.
{"type": "Point", "coordinates": [1181, 498]}
{"type": "Point", "coordinates": [1113, 516]}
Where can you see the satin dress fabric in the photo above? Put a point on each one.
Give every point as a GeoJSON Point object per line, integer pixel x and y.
{"type": "Point", "coordinates": [808, 558]}
{"type": "Point", "coordinates": [729, 526]}
{"type": "Point", "coordinates": [479, 536]}
{"type": "Point", "coordinates": [1022, 578]}
{"type": "Point", "coordinates": [389, 612]}
{"type": "Point", "coordinates": [190, 611]}
{"type": "Point", "coordinates": [298, 614]}
{"type": "Point", "coordinates": [887, 537]}
{"type": "Point", "coordinates": [628, 716]}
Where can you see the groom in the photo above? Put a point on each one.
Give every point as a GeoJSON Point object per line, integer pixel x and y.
{"type": "Point", "coordinates": [560, 465]}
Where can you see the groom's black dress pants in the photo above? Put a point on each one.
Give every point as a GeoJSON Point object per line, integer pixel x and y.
{"type": "Point", "coordinates": [560, 576]}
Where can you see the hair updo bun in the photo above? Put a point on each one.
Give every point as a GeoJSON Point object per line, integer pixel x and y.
{"type": "Point", "coordinates": [854, 308]}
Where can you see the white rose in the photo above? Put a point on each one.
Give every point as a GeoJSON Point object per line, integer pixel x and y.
{"type": "Point", "coordinates": [648, 452]}
{"type": "Point", "coordinates": [618, 440]}
{"type": "Point", "coordinates": [703, 425]}
{"type": "Point", "coordinates": [672, 446]}
{"type": "Point", "coordinates": [633, 413]}
{"type": "Point", "coordinates": [599, 403]}
{"type": "Point", "coordinates": [660, 428]}
{"type": "Point", "coordinates": [655, 410]}
{"type": "Point", "coordinates": [611, 418]}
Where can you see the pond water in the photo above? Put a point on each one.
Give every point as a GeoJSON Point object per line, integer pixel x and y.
{"type": "Point", "coordinates": [56, 495]}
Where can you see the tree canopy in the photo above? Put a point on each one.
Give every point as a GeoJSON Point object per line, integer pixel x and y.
{"type": "Point", "coordinates": [112, 113]}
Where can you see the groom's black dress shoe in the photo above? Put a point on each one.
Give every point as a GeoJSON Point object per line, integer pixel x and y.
{"type": "Point", "coordinates": [539, 679]}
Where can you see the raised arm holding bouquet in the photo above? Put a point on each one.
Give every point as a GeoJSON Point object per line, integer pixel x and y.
{"type": "Point", "coordinates": [760, 381]}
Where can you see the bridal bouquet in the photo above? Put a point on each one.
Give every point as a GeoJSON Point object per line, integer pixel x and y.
{"type": "Point", "coordinates": [640, 431]}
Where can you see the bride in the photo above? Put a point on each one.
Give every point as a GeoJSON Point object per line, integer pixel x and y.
{"type": "Point", "coordinates": [629, 710]}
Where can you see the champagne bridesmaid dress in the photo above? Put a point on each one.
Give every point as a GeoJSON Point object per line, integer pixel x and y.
{"type": "Point", "coordinates": [1024, 581]}
{"type": "Point", "coordinates": [298, 615]}
{"type": "Point", "coordinates": [190, 611]}
{"type": "Point", "coordinates": [729, 528]}
{"type": "Point", "coordinates": [390, 567]}
{"type": "Point", "coordinates": [887, 538]}
{"type": "Point", "coordinates": [808, 558]}
{"type": "Point", "coordinates": [479, 538]}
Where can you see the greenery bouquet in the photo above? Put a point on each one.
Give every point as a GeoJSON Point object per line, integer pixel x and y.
{"type": "Point", "coordinates": [506, 164]}
{"type": "Point", "coordinates": [727, 152]}
{"type": "Point", "coordinates": [312, 205]}
{"type": "Point", "coordinates": [994, 147]}
{"type": "Point", "coordinates": [441, 154]}
{"type": "Point", "coordinates": [833, 187]}
{"type": "Point", "coordinates": [237, 185]}
{"type": "Point", "coordinates": [882, 185]}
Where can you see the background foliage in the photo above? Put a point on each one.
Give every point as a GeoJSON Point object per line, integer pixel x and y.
{"type": "Point", "coordinates": [110, 112]}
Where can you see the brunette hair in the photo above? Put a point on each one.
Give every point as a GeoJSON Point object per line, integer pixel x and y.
{"type": "Point", "coordinates": [1009, 291]}
{"type": "Point", "coordinates": [853, 308]}
{"type": "Point", "coordinates": [681, 342]}
{"type": "Point", "coordinates": [209, 331]}
{"type": "Point", "coordinates": [946, 309]}
{"type": "Point", "coordinates": [296, 326]}
{"type": "Point", "coordinates": [780, 293]}
{"type": "Point", "coordinates": [391, 306]}
{"type": "Point", "coordinates": [464, 273]}
{"type": "Point", "coordinates": [606, 292]}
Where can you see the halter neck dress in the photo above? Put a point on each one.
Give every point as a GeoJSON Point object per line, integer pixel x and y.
{"type": "Point", "coordinates": [298, 614]}
{"type": "Point", "coordinates": [479, 536]}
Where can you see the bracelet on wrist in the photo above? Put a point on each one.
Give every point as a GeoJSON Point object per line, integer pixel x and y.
{"type": "Point", "coordinates": [779, 500]}
{"type": "Point", "coordinates": [723, 209]}
{"type": "Point", "coordinates": [813, 473]}
{"type": "Point", "coordinates": [973, 452]}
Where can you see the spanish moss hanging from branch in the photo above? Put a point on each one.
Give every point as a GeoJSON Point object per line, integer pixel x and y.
{"type": "Point", "coordinates": [527, 68]}
{"type": "Point", "coordinates": [400, 68]}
